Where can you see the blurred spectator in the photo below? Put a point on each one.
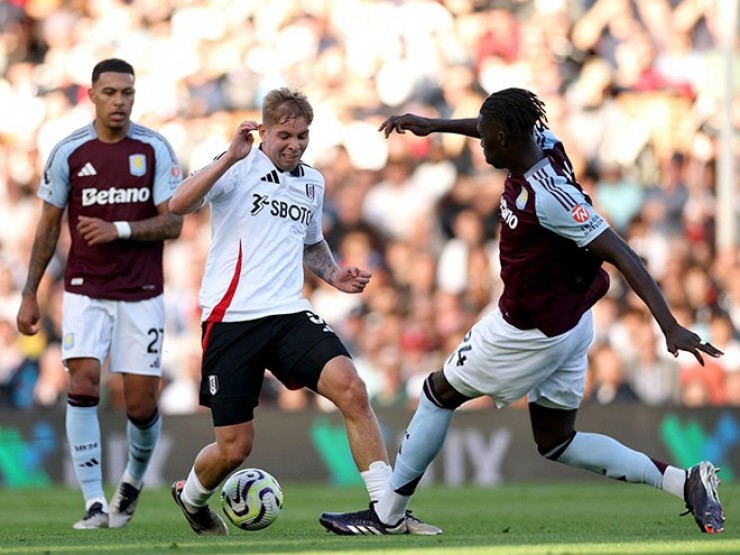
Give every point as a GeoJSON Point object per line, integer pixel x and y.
{"type": "Point", "coordinates": [653, 377]}
{"type": "Point", "coordinates": [609, 383]}
{"type": "Point", "coordinates": [617, 196]}
{"type": "Point", "coordinates": [634, 85]}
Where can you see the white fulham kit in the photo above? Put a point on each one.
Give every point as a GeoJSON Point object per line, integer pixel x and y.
{"type": "Point", "coordinates": [255, 264]}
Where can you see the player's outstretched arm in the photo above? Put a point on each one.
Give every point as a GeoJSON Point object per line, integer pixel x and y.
{"type": "Point", "coordinates": [612, 248]}
{"type": "Point", "coordinates": [44, 245]}
{"type": "Point", "coordinates": [190, 193]}
{"type": "Point", "coordinates": [320, 261]}
{"type": "Point", "coordinates": [422, 126]}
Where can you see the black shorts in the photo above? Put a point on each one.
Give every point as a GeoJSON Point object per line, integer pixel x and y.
{"type": "Point", "coordinates": [294, 347]}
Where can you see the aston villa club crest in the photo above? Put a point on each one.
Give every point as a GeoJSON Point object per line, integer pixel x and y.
{"type": "Point", "coordinates": [521, 200]}
{"type": "Point", "coordinates": [68, 342]}
{"type": "Point", "coordinates": [212, 384]}
{"type": "Point", "coordinates": [310, 190]}
{"type": "Point", "coordinates": [137, 164]}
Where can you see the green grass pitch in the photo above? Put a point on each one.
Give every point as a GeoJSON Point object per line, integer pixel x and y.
{"type": "Point", "coordinates": [595, 518]}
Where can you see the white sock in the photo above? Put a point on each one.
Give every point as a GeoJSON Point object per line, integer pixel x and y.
{"type": "Point", "coordinates": [194, 495]}
{"type": "Point", "coordinates": [376, 479]}
{"type": "Point", "coordinates": [674, 480]}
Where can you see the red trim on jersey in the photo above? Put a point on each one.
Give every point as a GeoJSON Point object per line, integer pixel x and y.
{"type": "Point", "coordinates": [217, 314]}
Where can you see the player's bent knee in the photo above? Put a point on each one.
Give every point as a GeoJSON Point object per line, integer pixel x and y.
{"type": "Point", "coordinates": [554, 450]}
{"type": "Point", "coordinates": [440, 392]}
{"type": "Point", "coordinates": [234, 454]}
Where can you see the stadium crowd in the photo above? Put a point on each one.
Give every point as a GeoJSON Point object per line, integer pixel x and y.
{"type": "Point", "coordinates": [632, 88]}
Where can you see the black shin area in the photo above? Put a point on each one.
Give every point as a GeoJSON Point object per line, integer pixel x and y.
{"type": "Point", "coordinates": [439, 391]}
{"type": "Point", "coordinates": [553, 429]}
{"type": "Point", "coordinates": [144, 423]}
{"type": "Point", "coordinates": [410, 488]}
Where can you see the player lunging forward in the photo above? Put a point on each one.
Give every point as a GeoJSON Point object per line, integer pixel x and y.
{"type": "Point", "coordinates": [552, 247]}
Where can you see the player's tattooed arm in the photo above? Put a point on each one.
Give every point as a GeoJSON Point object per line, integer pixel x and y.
{"type": "Point", "coordinates": [320, 261]}
{"type": "Point", "coordinates": [349, 279]}
{"type": "Point", "coordinates": [165, 225]}
{"type": "Point", "coordinates": [44, 246]}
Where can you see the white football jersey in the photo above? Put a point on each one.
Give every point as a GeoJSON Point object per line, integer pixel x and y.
{"type": "Point", "coordinates": [261, 218]}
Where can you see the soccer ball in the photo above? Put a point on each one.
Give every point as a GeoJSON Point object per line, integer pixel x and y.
{"type": "Point", "coordinates": [251, 498]}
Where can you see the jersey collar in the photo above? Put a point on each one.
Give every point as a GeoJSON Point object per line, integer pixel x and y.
{"type": "Point", "coordinates": [298, 171]}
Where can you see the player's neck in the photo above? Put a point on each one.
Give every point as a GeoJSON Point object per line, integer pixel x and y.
{"type": "Point", "coordinates": [108, 135]}
{"type": "Point", "coordinates": [526, 160]}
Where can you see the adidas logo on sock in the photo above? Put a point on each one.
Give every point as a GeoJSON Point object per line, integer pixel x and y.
{"type": "Point", "coordinates": [87, 170]}
{"type": "Point", "coordinates": [271, 177]}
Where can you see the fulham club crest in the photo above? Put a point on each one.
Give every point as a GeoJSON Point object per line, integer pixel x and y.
{"type": "Point", "coordinates": [309, 191]}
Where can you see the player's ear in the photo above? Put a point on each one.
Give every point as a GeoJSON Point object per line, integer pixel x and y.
{"type": "Point", "coordinates": [262, 129]}
{"type": "Point", "coordinates": [503, 138]}
{"type": "Point", "coordinates": [91, 94]}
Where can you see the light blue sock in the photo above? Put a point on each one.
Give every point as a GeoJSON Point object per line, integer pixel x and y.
{"type": "Point", "coordinates": [425, 435]}
{"type": "Point", "coordinates": [605, 455]}
{"type": "Point", "coordinates": [83, 435]}
{"type": "Point", "coordinates": [141, 444]}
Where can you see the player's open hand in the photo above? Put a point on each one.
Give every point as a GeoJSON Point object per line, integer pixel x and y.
{"type": "Point", "coordinates": [418, 125]}
{"type": "Point", "coordinates": [679, 338]}
{"type": "Point", "coordinates": [96, 231]}
{"type": "Point", "coordinates": [351, 279]}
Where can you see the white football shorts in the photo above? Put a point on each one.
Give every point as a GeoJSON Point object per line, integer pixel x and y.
{"type": "Point", "coordinates": [130, 331]}
{"type": "Point", "coordinates": [506, 363]}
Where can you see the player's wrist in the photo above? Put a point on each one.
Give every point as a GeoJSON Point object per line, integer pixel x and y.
{"type": "Point", "coordinates": [123, 229]}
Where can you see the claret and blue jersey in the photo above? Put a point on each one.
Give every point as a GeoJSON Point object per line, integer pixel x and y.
{"type": "Point", "coordinates": [122, 181]}
{"type": "Point", "coordinates": [547, 221]}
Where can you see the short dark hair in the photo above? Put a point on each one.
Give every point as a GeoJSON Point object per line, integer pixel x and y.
{"type": "Point", "coordinates": [115, 65]}
{"type": "Point", "coordinates": [518, 109]}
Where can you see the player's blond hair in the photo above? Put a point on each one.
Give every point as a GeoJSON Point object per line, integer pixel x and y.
{"type": "Point", "coordinates": [283, 104]}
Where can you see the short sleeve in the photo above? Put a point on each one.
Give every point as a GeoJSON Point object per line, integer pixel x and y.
{"type": "Point", "coordinates": [54, 186]}
{"type": "Point", "coordinates": [168, 173]}
{"type": "Point", "coordinates": [576, 220]}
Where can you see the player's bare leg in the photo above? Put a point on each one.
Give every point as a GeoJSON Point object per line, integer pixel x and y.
{"type": "Point", "coordinates": [212, 465]}
{"type": "Point", "coordinates": [341, 384]}
{"type": "Point", "coordinates": [397, 519]}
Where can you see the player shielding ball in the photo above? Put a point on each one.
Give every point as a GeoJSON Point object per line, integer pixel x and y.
{"type": "Point", "coordinates": [552, 247]}
{"type": "Point", "coordinates": [266, 207]}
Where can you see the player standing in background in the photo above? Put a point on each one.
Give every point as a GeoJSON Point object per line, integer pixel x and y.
{"type": "Point", "coordinates": [115, 177]}
{"type": "Point", "coordinates": [552, 246]}
{"type": "Point", "coordinates": [266, 214]}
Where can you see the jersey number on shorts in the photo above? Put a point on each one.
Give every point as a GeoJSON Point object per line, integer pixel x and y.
{"type": "Point", "coordinates": [154, 345]}
{"type": "Point", "coordinates": [461, 350]}
{"type": "Point", "coordinates": [319, 321]}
